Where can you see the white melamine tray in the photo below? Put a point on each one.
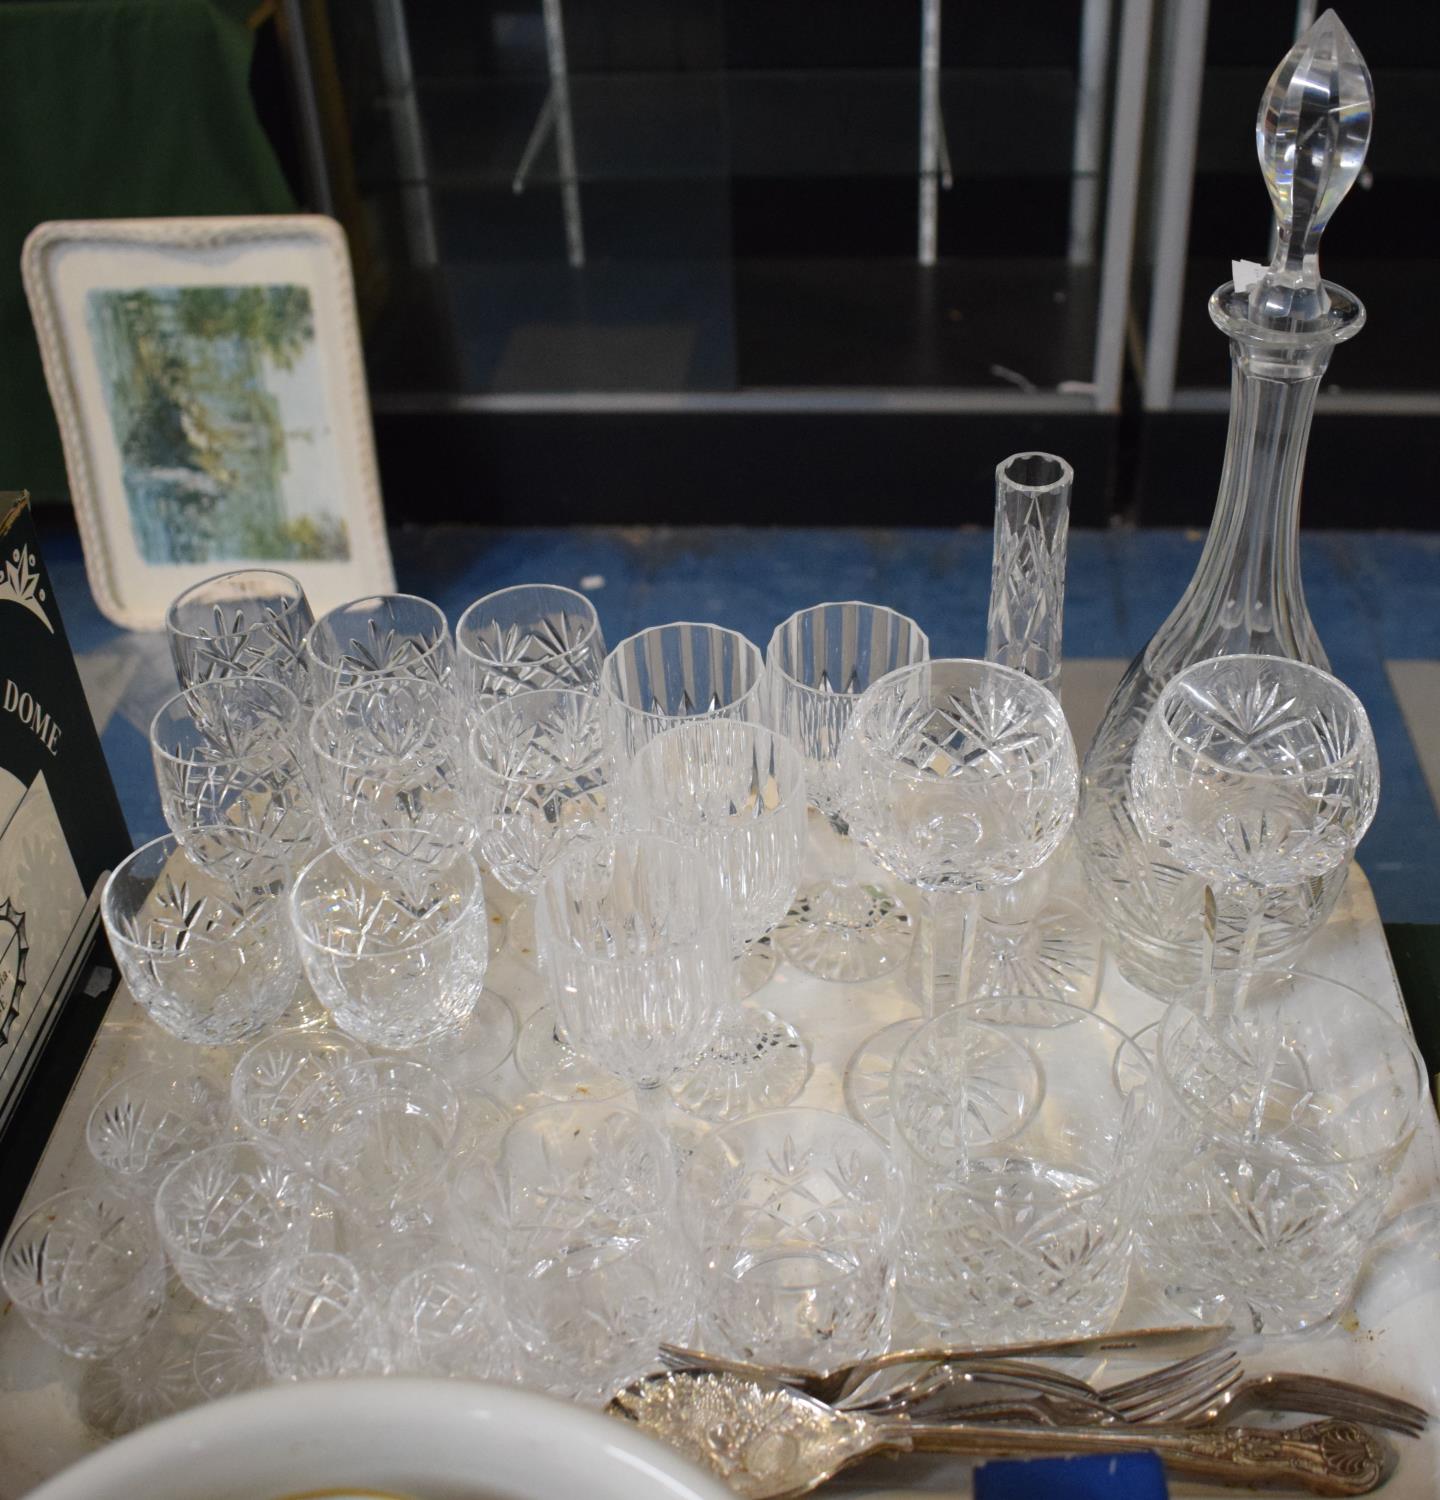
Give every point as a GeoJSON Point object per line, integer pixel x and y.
{"type": "Point", "coordinates": [1391, 1339]}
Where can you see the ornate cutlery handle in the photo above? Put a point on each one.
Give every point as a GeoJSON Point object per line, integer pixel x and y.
{"type": "Point", "coordinates": [1326, 1458]}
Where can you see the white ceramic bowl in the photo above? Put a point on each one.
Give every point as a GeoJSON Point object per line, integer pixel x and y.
{"type": "Point", "coordinates": [416, 1439]}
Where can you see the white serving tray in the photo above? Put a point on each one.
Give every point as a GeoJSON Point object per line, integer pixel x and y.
{"type": "Point", "coordinates": [1391, 1339]}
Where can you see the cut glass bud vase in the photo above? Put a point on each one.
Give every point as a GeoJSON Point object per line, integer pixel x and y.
{"type": "Point", "coordinates": [1246, 596]}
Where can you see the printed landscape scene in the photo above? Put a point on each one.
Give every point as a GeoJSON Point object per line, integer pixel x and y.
{"type": "Point", "coordinates": [216, 402]}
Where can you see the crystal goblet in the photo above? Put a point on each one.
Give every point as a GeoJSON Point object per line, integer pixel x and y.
{"type": "Point", "coordinates": [1023, 1156]}
{"type": "Point", "coordinates": [793, 1215]}
{"type": "Point", "coordinates": [817, 664]}
{"type": "Point", "coordinates": [396, 961]}
{"type": "Point", "coordinates": [233, 789]}
{"type": "Point", "coordinates": [735, 792]}
{"type": "Point", "coordinates": [1286, 1122]}
{"type": "Point", "coordinates": [1255, 772]}
{"type": "Point", "coordinates": [85, 1270]}
{"type": "Point", "coordinates": [595, 1276]}
{"type": "Point", "coordinates": [321, 1320]}
{"type": "Point", "coordinates": [652, 680]}
{"type": "Point", "coordinates": [384, 635]}
{"type": "Point", "coordinates": [210, 964]}
{"type": "Point", "coordinates": [446, 1318]}
{"type": "Point", "coordinates": [635, 963]}
{"type": "Point", "coordinates": [959, 776]}
{"type": "Point", "coordinates": [242, 624]}
{"type": "Point", "coordinates": [388, 756]}
{"type": "Point", "coordinates": [228, 1217]}
{"type": "Point", "coordinates": [525, 638]}
{"type": "Point", "coordinates": [146, 1122]}
{"type": "Point", "coordinates": [274, 1076]}
{"type": "Point", "coordinates": [538, 779]}
{"type": "Point", "coordinates": [378, 1134]}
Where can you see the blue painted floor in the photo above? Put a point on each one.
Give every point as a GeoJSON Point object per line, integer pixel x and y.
{"type": "Point", "coordinates": [1374, 597]}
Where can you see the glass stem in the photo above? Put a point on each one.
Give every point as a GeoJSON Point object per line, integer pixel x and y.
{"type": "Point", "coordinates": [1233, 918]}
{"type": "Point", "coordinates": [845, 860]}
{"type": "Point", "coordinates": [940, 959]}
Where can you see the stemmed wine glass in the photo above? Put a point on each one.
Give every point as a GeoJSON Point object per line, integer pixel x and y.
{"type": "Point", "coordinates": [384, 635]}
{"type": "Point", "coordinates": [669, 673]}
{"type": "Point", "coordinates": [539, 779]}
{"type": "Point", "coordinates": [1255, 772]}
{"type": "Point", "coordinates": [521, 639]}
{"type": "Point", "coordinates": [387, 756]}
{"type": "Point", "coordinates": [636, 965]}
{"type": "Point", "coordinates": [228, 763]}
{"type": "Point", "coordinates": [651, 681]}
{"type": "Point", "coordinates": [247, 623]}
{"type": "Point", "coordinates": [959, 776]}
{"type": "Point", "coordinates": [818, 663]}
{"type": "Point", "coordinates": [736, 792]}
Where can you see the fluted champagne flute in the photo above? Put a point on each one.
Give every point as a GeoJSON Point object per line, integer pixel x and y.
{"type": "Point", "coordinates": [817, 664]}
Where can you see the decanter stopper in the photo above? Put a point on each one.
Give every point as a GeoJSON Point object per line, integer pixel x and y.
{"type": "Point", "coordinates": [1311, 136]}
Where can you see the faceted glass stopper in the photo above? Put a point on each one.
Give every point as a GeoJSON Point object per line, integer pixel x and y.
{"type": "Point", "coordinates": [1311, 136]}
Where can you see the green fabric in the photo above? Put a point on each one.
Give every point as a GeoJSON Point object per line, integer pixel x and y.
{"type": "Point", "coordinates": [113, 109]}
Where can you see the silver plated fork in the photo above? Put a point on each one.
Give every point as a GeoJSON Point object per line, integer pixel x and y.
{"type": "Point", "coordinates": [982, 1390]}
{"type": "Point", "coordinates": [1315, 1395]}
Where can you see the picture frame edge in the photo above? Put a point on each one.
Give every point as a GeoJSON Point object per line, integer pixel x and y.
{"type": "Point", "coordinates": [191, 232]}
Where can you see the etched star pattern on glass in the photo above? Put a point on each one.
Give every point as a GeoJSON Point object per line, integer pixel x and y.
{"type": "Point", "coordinates": [85, 1270]}
{"type": "Point", "coordinates": [526, 638]}
{"type": "Point", "coordinates": [1024, 1158]}
{"type": "Point", "coordinates": [228, 1217]}
{"type": "Point", "coordinates": [793, 1215]}
{"type": "Point", "coordinates": [148, 1121]}
{"type": "Point", "coordinates": [1285, 1125]}
{"type": "Point", "coordinates": [446, 1319]}
{"type": "Point", "coordinates": [320, 1320]}
{"type": "Point", "coordinates": [274, 1076]}
{"type": "Point", "coordinates": [233, 789]}
{"type": "Point", "coordinates": [385, 635]}
{"type": "Point", "coordinates": [960, 775]}
{"type": "Point", "coordinates": [1255, 772]}
{"type": "Point", "coordinates": [539, 779]}
{"type": "Point", "coordinates": [396, 962]}
{"type": "Point", "coordinates": [210, 964]}
{"type": "Point", "coordinates": [389, 756]}
{"type": "Point", "coordinates": [595, 1276]}
{"type": "Point", "coordinates": [248, 623]}
{"type": "Point", "coordinates": [378, 1134]}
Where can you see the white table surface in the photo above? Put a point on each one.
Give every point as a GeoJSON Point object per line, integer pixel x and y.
{"type": "Point", "coordinates": [1391, 1339]}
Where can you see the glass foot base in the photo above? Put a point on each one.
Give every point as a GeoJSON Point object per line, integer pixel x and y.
{"type": "Point", "coordinates": [473, 1051]}
{"type": "Point", "coordinates": [845, 933]}
{"type": "Point", "coordinates": [553, 1068]}
{"type": "Point", "coordinates": [149, 1379]}
{"type": "Point", "coordinates": [756, 1062]}
{"type": "Point", "coordinates": [229, 1356]}
{"type": "Point", "coordinates": [1053, 956]}
{"type": "Point", "coordinates": [867, 1075]}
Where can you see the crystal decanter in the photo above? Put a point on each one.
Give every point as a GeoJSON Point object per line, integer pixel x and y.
{"type": "Point", "coordinates": [1246, 596]}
